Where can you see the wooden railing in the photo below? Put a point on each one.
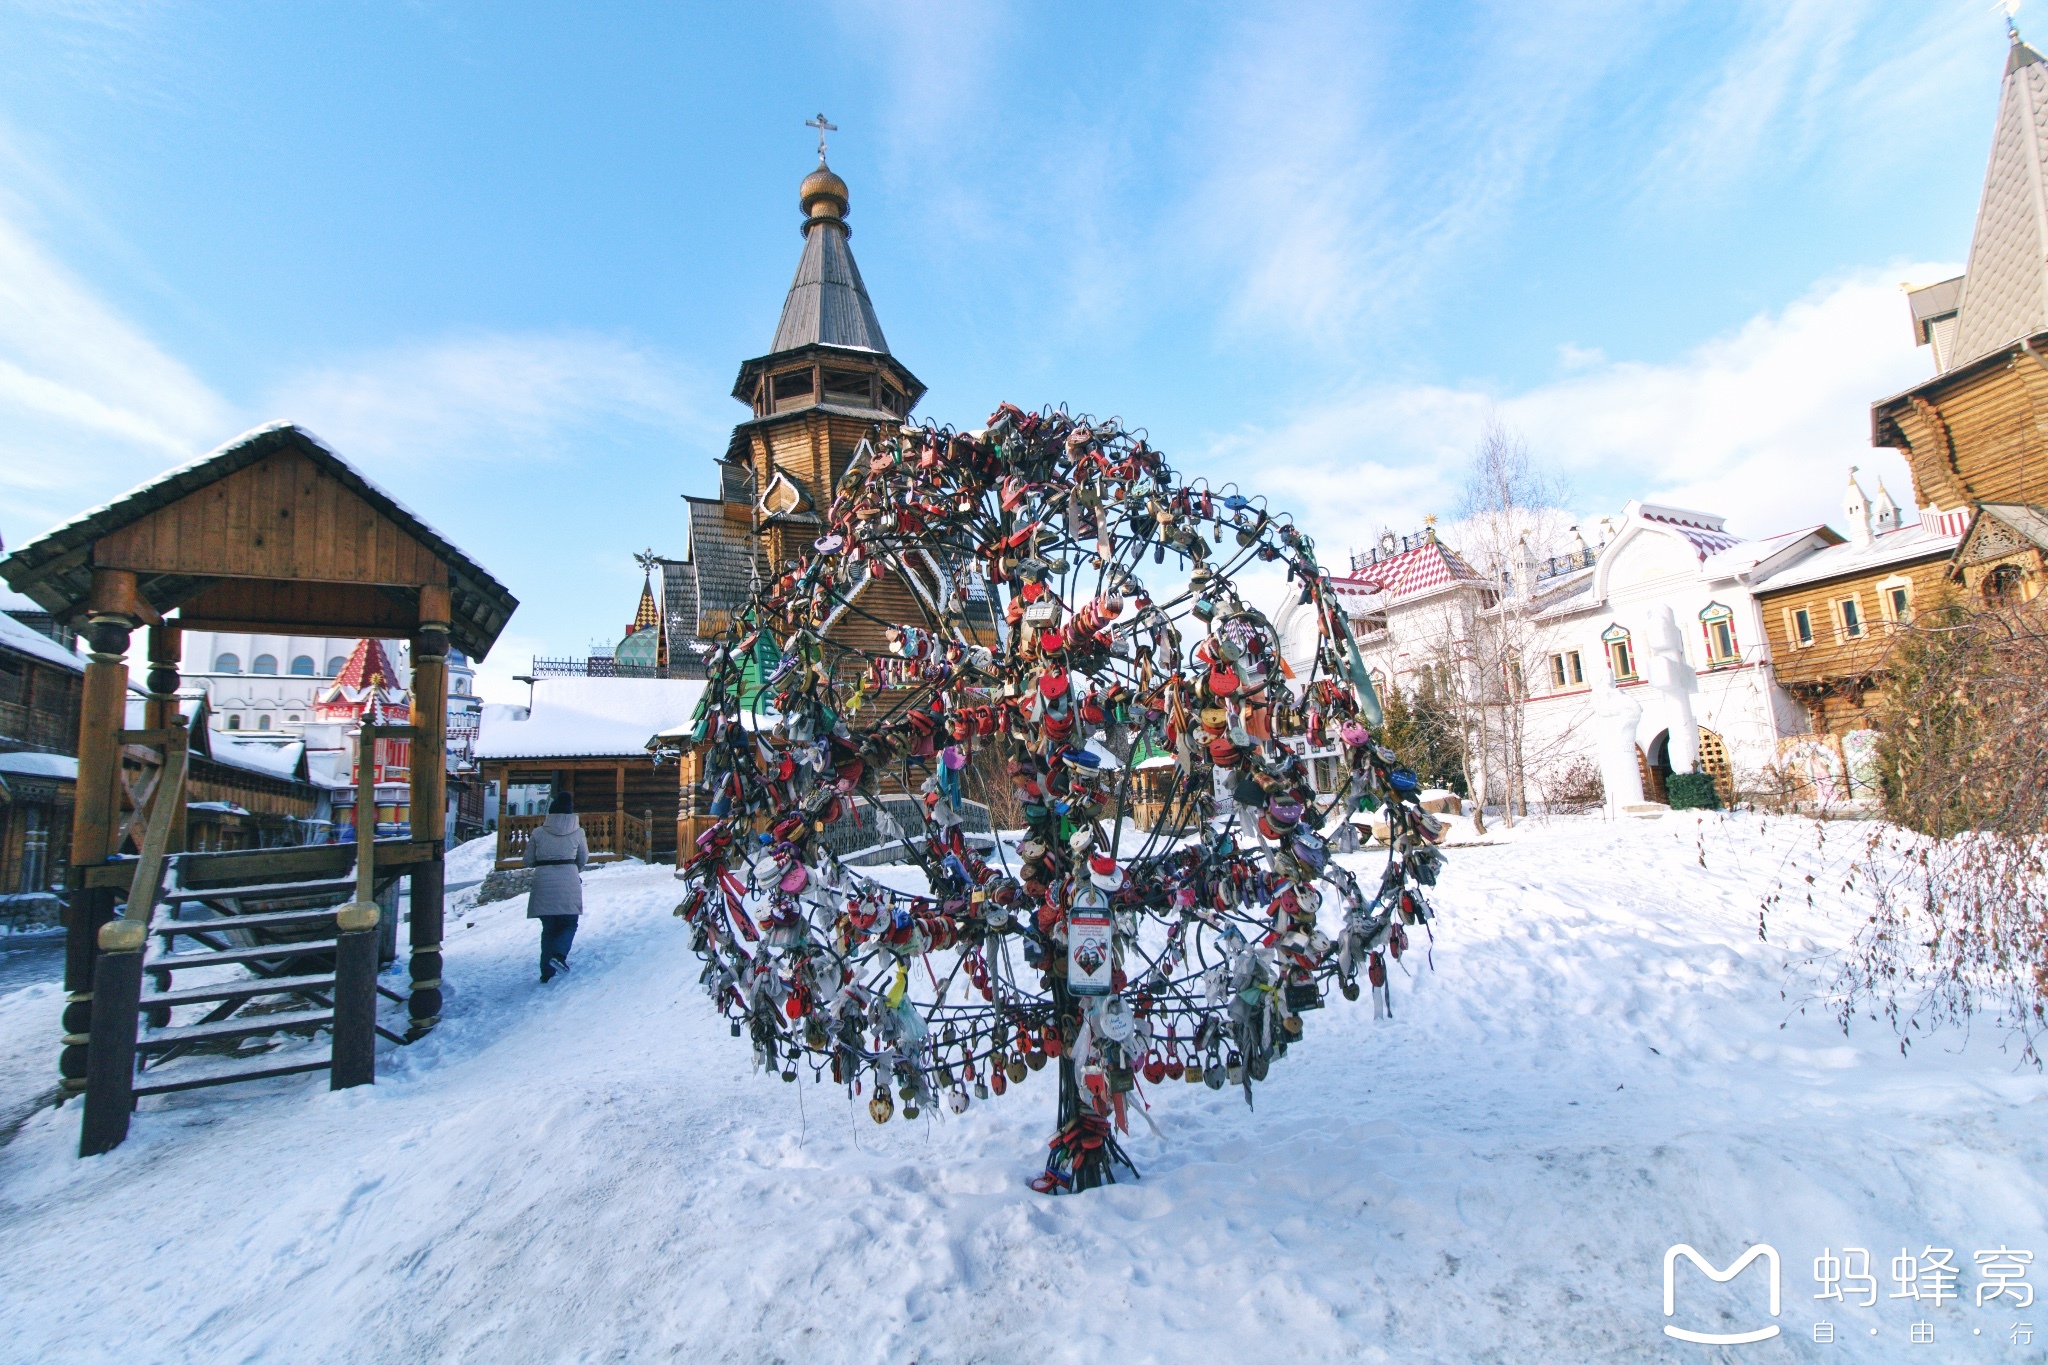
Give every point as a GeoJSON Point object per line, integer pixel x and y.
{"type": "Point", "coordinates": [636, 837]}
{"type": "Point", "coordinates": [599, 832]}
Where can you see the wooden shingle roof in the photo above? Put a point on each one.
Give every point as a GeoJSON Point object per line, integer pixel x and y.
{"type": "Point", "coordinates": [395, 551]}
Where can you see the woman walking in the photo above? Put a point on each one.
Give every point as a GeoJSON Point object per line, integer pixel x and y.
{"type": "Point", "coordinates": [558, 853]}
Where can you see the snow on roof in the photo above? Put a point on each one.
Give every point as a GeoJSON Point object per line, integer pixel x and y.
{"type": "Point", "coordinates": [1918, 541]}
{"type": "Point", "coordinates": [40, 765]}
{"type": "Point", "coordinates": [273, 756]}
{"type": "Point", "coordinates": [18, 637]}
{"type": "Point", "coordinates": [482, 604]}
{"type": "Point", "coordinates": [1747, 554]}
{"type": "Point", "coordinates": [588, 718]}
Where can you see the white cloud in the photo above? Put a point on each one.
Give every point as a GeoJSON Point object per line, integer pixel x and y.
{"type": "Point", "coordinates": [88, 402]}
{"type": "Point", "coordinates": [1848, 77]}
{"type": "Point", "coordinates": [494, 398]}
{"type": "Point", "coordinates": [1760, 425]}
{"type": "Point", "coordinates": [1334, 185]}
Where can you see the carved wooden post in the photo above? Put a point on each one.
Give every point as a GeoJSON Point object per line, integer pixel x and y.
{"type": "Point", "coordinates": [115, 609]}
{"type": "Point", "coordinates": [166, 646]}
{"type": "Point", "coordinates": [355, 992]}
{"type": "Point", "coordinates": [116, 1000]}
{"type": "Point", "coordinates": [429, 803]}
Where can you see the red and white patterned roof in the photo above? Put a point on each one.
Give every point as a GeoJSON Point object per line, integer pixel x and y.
{"type": "Point", "coordinates": [1426, 568]}
{"type": "Point", "coordinates": [1705, 535]}
{"type": "Point", "coordinates": [364, 690]}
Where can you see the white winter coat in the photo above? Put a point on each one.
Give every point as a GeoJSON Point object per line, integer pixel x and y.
{"type": "Point", "coordinates": [557, 852]}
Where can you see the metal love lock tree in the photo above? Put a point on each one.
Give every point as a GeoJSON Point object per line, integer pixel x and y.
{"type": "Point", "coordinates": [1154, 898]}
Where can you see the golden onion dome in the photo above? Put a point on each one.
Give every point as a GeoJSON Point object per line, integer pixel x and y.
{"type": "Point", "coordinates": [823, 194]}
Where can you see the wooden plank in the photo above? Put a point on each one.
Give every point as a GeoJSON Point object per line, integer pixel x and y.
{"type": "Point", "coordinates": [156, 1040]}
{"type": "Point", "coordinates": [271, 606]}
{"type": "Point", "coordinates": [251, 524]}
{"type": "Point", "coordinates": [269, 919]}
{"type": "Point", "coordinates": [183, 1080]}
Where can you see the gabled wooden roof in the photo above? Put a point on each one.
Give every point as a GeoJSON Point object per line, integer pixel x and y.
{"type": "Point", "coordinates": [264, 524]}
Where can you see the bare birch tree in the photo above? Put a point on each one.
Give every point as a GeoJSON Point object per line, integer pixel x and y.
{"type": "Point", "coordinates": [1512, 515]}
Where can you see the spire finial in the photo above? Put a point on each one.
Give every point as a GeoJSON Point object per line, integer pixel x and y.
{"type": "Point", "coordinates": [823, 128]}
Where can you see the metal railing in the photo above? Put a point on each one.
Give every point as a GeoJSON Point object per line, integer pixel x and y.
{"type": "Point", "coordinates": [1362, 560]}
{"type": "Point", "coordinates": [1564, 564]}
{"type": "Point", "coordinates": [598, 666]}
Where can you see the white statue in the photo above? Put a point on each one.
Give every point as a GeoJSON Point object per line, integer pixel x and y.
{"type": "Point", "coordinates": [1674, 677]}
{"type": "Point", "coordinates": [1618, 715]}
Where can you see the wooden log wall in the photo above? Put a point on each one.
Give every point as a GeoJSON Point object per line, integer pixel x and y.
{"type": "Point", "coordinates": [1834, 654]}
{"type": "Point", "coordinates": [39, 704]}
{"type": "Point", "coordinates": [1974, 437]}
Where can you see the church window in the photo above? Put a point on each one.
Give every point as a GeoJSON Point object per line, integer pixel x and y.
{"type": "Point", "coordinates": [849, 385]}
{"type": "Point", "coordinates": [1718, 623]}
{"type": "Point", "coordinates": [265, 664]}
{"type": "Point", "coordinates": [1621, 653]}
{"type": "Point", "coordinates": [302, 667]}
{"type": "Point", "coordinates": [234, 722]}
{"type": "Point", "coordinates": [227, 663]}
{"type": "Point", "coordinates": [1566, 670]}
{"type": "Point", "coordinates": [1801, 625]}
{"type": "Point", "coordinates": [1850, 615]}
{"type": "Point", "coordinates": [263, 722]}
{"type": "Point", "coordinates": [335, 665]}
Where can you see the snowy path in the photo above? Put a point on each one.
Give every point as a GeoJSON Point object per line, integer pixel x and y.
{"type": "Point", "coordinates": [1594, 1071]}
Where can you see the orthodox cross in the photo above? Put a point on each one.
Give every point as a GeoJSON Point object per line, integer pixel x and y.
{"type": "Point", "coordinates": [823, 128]}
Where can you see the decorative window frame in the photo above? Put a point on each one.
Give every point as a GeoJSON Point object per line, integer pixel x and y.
{"type": "Point", "coordinates": [1617, 636]}
{"type": "Point", "coordinates": [1843, 633]}
{"type": "Point", "coordinates": [1792, 635]}
{"type": "Point", "coordinates": [1711, 615]}
{"type": "Point", "coordinates": [1884, 588]}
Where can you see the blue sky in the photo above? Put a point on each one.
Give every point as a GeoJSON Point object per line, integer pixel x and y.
{"type": "Point", "coordinates": [507, 258]}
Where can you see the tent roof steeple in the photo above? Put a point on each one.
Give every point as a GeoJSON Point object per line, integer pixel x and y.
{"type": "Point", "coordinates": [828, 304]}
{"type": "Point", "coordinates": [2005, 290]}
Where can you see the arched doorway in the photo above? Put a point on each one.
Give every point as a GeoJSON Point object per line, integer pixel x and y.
{"type": "Point", "coordinates": [1658, 761]}
{"type": "Point", "coordinates": [1656, 766]}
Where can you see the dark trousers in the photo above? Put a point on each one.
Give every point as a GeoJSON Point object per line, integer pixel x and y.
{"type": "Point", "coordinates": [557, 932]}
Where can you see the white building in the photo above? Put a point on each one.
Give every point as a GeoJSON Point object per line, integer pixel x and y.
{"type": "Point", "coordinates": [1596, 615]}
{"type": "Point", "coordinates": [1419, 611]}
{"type": "Point", "coordinates": [268, 682]}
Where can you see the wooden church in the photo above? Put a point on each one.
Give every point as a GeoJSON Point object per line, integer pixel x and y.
{"type": "Point", "coordinates": [827, 383]}
{"type": "Point", "coordinates": [827, 386]}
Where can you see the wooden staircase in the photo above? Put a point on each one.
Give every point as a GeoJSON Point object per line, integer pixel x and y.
{"type": "Point", "coordinates": [260, 944]}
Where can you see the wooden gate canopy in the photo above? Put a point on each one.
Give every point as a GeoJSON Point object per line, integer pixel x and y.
{"type": "Point", "coordinates": [271, 533]}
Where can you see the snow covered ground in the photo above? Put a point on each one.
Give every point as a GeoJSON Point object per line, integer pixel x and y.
{"type": "Point", "coordinates": [1605, 1061]}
